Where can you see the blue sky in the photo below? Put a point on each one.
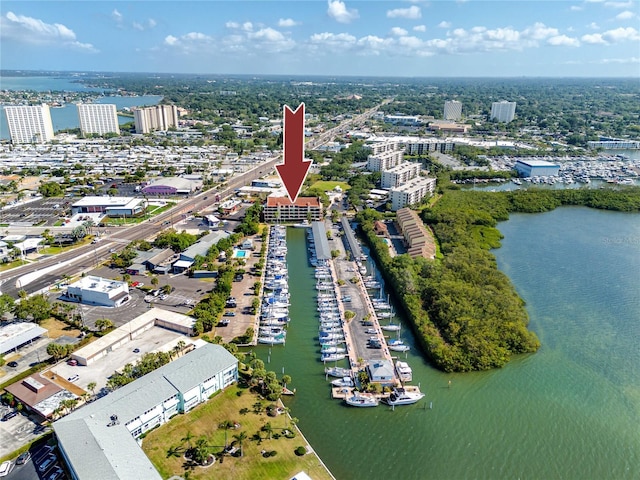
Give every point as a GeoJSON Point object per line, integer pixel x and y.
{"type": "Point", "coordinates": [334, 37]}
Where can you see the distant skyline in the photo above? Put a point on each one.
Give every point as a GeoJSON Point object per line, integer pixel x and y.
{"type": "Point", "coordinates": [592, 38]}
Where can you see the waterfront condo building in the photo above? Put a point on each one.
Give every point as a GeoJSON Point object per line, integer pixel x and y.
{"type": "Point", "coordinates": [419, 241]}
{"type": "Point", "coordinates": [384, 155]}
{"type": "Point", "coordinates": [100, 118]}
{"type": "Point", "coordinates": [452, 110]}
{"type": "Point", "coordinates": [400, 174]}
{"type": "Point", "coordinates": [281, 210]}
{"type": "Point", "coordinates": [503, 111]}
{"type": "Point", "coordinates": [411, 192]}
{"type": "Point", "coordinates": [158, 117]}
{"type": "Point", "coordinates": [29, 124]}
{"type": "Point", "coordinates": [425, 145]}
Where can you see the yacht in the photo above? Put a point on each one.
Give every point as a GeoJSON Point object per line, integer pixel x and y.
{"type": "Point", "coordinates": [337, 372]}
{"type": "Point", "coordinates": [342, 382]}
{"type": "Point", "coordinates": [361, 400]}
{"type": "Point", "coordinates": [399, 348]}
{"type": "Point", "coordinates": [392, 327]}
{"type": "Point", "coordinates": [400, 396]}
{"type": "Point", "coordinates": [332, 357]}
{"type": "Point", "coordinates": [404, 371]}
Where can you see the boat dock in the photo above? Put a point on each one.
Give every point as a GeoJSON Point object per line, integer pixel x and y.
{"type": "Point", "coordinates": [353, 296]}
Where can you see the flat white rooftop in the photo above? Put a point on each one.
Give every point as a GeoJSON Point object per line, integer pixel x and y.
{"type": "Point", "coordinates": [537, 163]}
{"type": "Point", "coordinates": [97, 284]}
{"type": "Point", "coordinates": [105, 201]}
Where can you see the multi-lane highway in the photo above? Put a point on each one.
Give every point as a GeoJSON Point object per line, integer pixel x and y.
{"type": "Point", "coordinates": [39, 275]}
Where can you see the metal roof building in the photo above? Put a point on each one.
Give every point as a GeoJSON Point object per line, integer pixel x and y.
{"type": "Point", "coordinates": [17, 334]}
{"type": "Point", "coordinates": [98, 441]}
{"type": "Point", "coordinates": [323, 252]}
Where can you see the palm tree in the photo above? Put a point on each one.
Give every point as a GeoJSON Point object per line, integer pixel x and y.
{"type": "Point", "coordinates": [174, 451]}
{"type": "Point", "coordinates": [92, 386]}
{"type": "Point", "coordinates": [226, 425]}
{"type": "Point", "coordinates": [240, 437]}
{"type": "Point", "coordinates": [267, 428]}
{"type": "Point", "coordinates": [187, 438]}
{"type": "Point", "coordinates": [200, 451]}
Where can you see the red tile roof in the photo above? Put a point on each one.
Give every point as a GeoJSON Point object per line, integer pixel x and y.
{"type": "Point", "coordinates": [300, 202]}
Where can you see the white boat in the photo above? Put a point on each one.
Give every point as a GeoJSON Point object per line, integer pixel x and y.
{"type": "Point", "coordinates": [303, 224]}
{"type": "Point", "coordinates": [400, 396]}
{"type": "Point", "coordinates": [333, 357]}
{"type": "Point", "coordinates": [272, 339]}
{"type": "Point", "coordinates": [404, 371]}
{"type": "Point", "coordinates": [392, 327]}
{"type": "Point", "coordinates": [342, 382]}
{"type": "Point", "coordinates": [361, 400]}
{"type": "Point", "coordinates": [337, 372]}
{"type": "Point", "coordinates": [332, 349]}
{"type": "Point", "coordinates": [400, 348]}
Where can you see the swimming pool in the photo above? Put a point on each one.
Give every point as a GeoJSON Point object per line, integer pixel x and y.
{"type": "Point", "coordinates": [240, 254]}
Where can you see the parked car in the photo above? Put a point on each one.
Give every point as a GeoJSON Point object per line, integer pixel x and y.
{"type": "Point", "coordinates": [12, 364]}
{"type": "Point", "coordinates": [72, 362]}
{"type": "Point", "coordinates": [73, 378]}
{"type": "Point", "coordinates": [229, 313]}
{"type": "Point", "coordinates": [136, 350]}
{"type": "Point", "coordinates": [55, 474]}
{"type": "Point", "coordinates": [10, 415]}
{"type": "Point", "coordinates": [5, 468]}
{"type": "Point", "coordinates": [51, 459]}
{"type": "Point", "coordinates": [23, 458]}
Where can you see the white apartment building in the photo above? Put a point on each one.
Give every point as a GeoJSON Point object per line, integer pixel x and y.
{"type": "Point", "coordinates": [383, 147]}
{"type": "Point", "coordinates": [158, 117]}
{"type": "Point", "coordinates": [384, 161]}
{"type": "Point", "coordinates": [425, 145]}
{"type": "Point", "coordinates": [503, 111]}
{"type": "Point", "coordinates": [452, 110]}
{"type": "Point", "coordinates": [412, 192]}
{"type": "Point", "coordinates": [98, 118]}
{"type": "Point", "coordinates": [400, 174]}
{"type": "Point", "coordinates": [29, 124]}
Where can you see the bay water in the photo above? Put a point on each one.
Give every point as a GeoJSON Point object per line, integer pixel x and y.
{"type": "Point", "coordinates": [569, 411]}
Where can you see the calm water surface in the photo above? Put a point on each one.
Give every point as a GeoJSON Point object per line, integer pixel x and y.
{"type": "Point", "coordinates": [571, 411]}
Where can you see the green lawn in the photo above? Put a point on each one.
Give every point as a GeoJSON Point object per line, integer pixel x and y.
{"type": "Point", "coordinates": [204, 420]}
{"type": "Point", "coordinates": [326, 185]}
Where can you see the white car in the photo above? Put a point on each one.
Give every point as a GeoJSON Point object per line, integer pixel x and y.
{"type": "Point", "coordinates": [5, 468]}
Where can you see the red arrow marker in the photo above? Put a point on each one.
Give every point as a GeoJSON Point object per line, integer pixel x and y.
{"type": "Point", "coordinates": [295, 168]}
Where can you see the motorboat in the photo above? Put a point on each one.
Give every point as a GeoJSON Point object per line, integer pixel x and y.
{"type": "Point", "coordinates": [401, 396]}
{"type": "Point", "coordinates": [400, 348]}
{"type": "Point", "coordinates": [332, 349]}
{"type": "Point", "coordinates": [404, 371]}
{"type": "Point", "coordinates": [332, 357]}
{"type": "Point", "coordinates": [342, 382]}
{"type": "Point", "coordinates": [337, 372]}
{"type": "Point", "coordinates": [272, 339]}
{"type": "Point", "coordinates": [361, 400]}
{"type": "Point", "coordinates": [392, 327]}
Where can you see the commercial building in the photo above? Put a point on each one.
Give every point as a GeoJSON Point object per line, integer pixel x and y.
{"type": "Point", "coordinates": [614, 143]}
{"type": "Point", "coordinates": [92, 290]}
{"type": "Point", "coordinates": [503, 111]}
{"type": "Point", "coordinates": [420, 242]}
{"type": "Point", "coordinates": [281, 210]}
{"type": "Point", "coordinates": [172, 186]}
{"type": "Point", "coordinates": [98, 118]}
{"type": "Point", "coordinates": [39, 395]}
{"type": "Point", "coordinates": [29, 124]}
{"type": "Point", "coordinates": [200, 248]}
{"type": "Point", "coordinates": [17, 334]}
{"type": "Point", "coordinates": [121, 336]}
{"type": "Point", "coordinates": [98, 441]}
{"type": "Point", "coordinates": [400, 174]}
{"type": "Point", "coordinates": [426, 145]}
{"type": "Point", "coordinates": [158, 117]}
{"type": "Point", "coordinates": [536, 168]}
{"type": "Point", "coordinates": [403, 120]}
{"type": "Point", "coordinates": [412, 192]}
{"type": "Point", "coordinates": [111, 206]}
{"type": "Point", "coordinates": [452, 110]}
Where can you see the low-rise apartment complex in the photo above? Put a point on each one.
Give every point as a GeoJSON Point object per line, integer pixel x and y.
{"type": "Point", "coordinates": [420, 242]}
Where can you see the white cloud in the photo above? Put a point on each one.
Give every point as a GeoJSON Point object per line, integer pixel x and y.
{"type": "Point", "coordinates": [626, 15]}
{"type": "Point", "coordinates": [412, 13]}
{"type": "Point", "coordinates": [575, 8]}
{"type": "Point", "coordinates": [247, 26]}
{"type": "Point", "coordinates": [628, 4]}
{"type": "Point", "coordinates": [287, 22]}
{"type": "Point", "coordinates": [137, 26]}
{"type": "Point", "coordinates": [116, 15]}
{"type": "Point", "coordinates": [563, 41]}
{"type": "Point", "coordinates": [170, 40]}
{"type": "Point", "coordinates": [620, 60]}
{"type": "Point", "coordinates": [444, 24]}
{"type": "Point", "coordinates": [34, 31]}
{"type": "Point", "coordinates": [340, 13]}
{"type": "Point", "coordinates": [334, 41]}
{"type": "Point", "coordinates": [232, 25]}
{"type": "Point", "coordinates": [420, 28]}
{"type": "Point", "coordinates": [540, 31]}
{"type": "Point", "coordinates": [593, 38]}
{"type": "Point", "coordinates": [593, 26]}
{"type": "Point", "coordinates": [617, 35]}
{"type": "Point", "coordinates": [151, 23]}
{"type": "Point", "coordinates": [398, 32]}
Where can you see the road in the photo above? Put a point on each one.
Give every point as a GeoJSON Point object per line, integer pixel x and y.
{"type": "Point", "coordinates": [88, 256]}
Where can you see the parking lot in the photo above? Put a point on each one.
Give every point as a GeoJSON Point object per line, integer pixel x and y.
{"type": "Point", "coordinates": [17, 431]}
{"type": "Point", "coordinates": [36, 212]}
{"type": "Point", "coordinates": [43, 463]}
{"type": "Point", "coordinates": [99, 371]}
